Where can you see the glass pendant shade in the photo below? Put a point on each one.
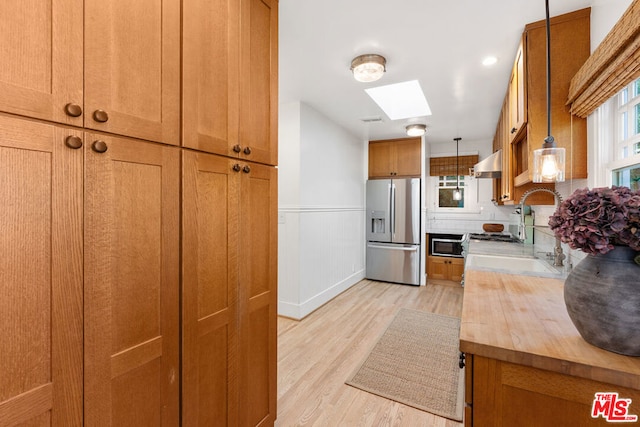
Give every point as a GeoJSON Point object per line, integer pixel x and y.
{"type": "Point", "coordinates": [457, 194]}
{"type": "Point", "coordinates": [548, 164]}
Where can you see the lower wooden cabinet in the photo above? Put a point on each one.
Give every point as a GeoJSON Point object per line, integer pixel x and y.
{"type": "Point", "coordinates": [131, 291]}
{"type": "Point", "coordinates": [41, 273]}
{"type": "Point", "coordinates": [506, 394]}
{"type": "Point", "coordinates": [229, 292]}
{"type": "Point", "coordinates": [445, 268]}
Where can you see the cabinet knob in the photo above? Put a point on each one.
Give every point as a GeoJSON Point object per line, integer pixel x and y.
{"type": "Point", "coordinates": [73, 110]}
{"type": "Point", "coordinates": [247, 150]}
{"type": "Point", "coordinates": [237, 148]}
{"type": "Point", "coordinates": [513, 130]}
{"type": "Point", "coordinates": [99, 146]}
{"type": "Point", "coordinates": [73, 142]}
{"type": "Point", "coordinates": [237, 167]}
{"type": "Point", "coordinates": [100, 116]}
{"type": "Point", "coordinates": [246, 169]}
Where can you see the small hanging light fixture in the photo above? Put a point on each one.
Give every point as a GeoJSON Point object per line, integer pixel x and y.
{"type": "Point", "coordinates": [368, 68]}
{"type": "Point", "coordinates": [548, 161]}
{"type": "Point", "coordinates": [457, 194]}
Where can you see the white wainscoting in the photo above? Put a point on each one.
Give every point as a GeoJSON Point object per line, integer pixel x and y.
{"type": "Point", "coordinates": [320, 255]}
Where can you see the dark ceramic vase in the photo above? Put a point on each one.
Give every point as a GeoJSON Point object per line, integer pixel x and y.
{"type": "Point", "coordinates": [602, 295]}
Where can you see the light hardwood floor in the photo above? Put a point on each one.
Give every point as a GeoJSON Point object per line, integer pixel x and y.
{"type": "Point", "coordinates": [317, 354]}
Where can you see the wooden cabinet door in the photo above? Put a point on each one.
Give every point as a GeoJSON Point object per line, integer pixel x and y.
{"type": "Point", "coordinates": [259, 81]}
{"type": "Point", "coordinates": [437, 268]}
{"type": "Point", "coordinates": [41, 265]}
{"type": "Point", "coordinates": [517, 104]}
{"type": "Point", "coordinates": [407, 157]}
{"type": "Point", "coordinates": [456, 269]}
{"type": "Point", "coordinates": [132, 68]}
{"type": "Point", "coordinates": [209, 290]}
{"type": "Point", "coordinates": [211, 44]}
{"type": "Point", "coordinates": [41, 51]}
{"type": "Point", "coordinates": [381, 162]}
{"type": "Point", "coordinates": [257, 295]}
{"type": "Point", "coordinates": [131, 266]}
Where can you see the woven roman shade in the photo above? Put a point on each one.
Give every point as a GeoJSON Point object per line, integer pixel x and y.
{"type": "Point", "coordinates": [446, 166]}
{"type": "Point", "coordinates": [614, 64]}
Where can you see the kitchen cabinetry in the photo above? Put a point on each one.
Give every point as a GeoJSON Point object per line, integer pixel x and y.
{"type": "Point", "coordinates": [90, 324]}
{"type": "Point", "coordinates": [229, 291]}
{"type": "Point", "coordinates": [445, 268]}
{"type": "Point", "coordinates": [526, 364]}
{"type": "Point", "coordinates": [98, 253]}
{"type": "Point", "coordinates": [104, 66]}
{"type": "Point", "coordinates": [395, 157]}
{"type": "Point", "coordinates": [230, 84]}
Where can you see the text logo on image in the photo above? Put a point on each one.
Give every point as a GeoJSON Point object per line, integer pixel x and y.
{"type": "Point", "coordinates": [612, 408]}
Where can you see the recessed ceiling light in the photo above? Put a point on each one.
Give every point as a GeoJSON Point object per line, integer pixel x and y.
{"type": "Point", "coordinates": [401, 100]}
{"type": "Point", "coordinates": [489, 61]}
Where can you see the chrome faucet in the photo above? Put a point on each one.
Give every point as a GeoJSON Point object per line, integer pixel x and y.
{"type": "Point", "coordinates": [558, 256]}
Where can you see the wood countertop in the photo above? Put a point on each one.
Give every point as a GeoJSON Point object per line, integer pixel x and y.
{"type": "Point", "coordinates": [523, 320]}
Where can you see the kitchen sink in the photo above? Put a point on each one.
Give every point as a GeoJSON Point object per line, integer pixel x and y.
{"type": "Point", "coordinates": [514, 265]}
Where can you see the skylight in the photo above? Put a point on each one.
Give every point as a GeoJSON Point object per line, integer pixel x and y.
{"type": "Point", "coordinates": [401, 100]}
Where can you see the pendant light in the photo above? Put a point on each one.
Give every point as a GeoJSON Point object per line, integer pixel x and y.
{"type": "Point", "coordinates": [457, 194]}
{"type": "Point", "coordinates": [548, 161]}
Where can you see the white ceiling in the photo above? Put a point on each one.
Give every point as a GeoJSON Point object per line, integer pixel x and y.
{"type": "Point", "coordinates": [441, 43]}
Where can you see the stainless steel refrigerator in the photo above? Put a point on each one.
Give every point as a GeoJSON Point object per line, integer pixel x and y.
{"type": "Point", "coordinates": [393, 230]}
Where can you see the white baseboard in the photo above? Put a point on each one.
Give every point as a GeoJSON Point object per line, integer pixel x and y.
{"type": "Point", "coordinates": [299, 311]}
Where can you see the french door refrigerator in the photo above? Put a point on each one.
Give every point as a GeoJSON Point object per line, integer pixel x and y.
{"type": "Point", "coordinates": [393, 230]}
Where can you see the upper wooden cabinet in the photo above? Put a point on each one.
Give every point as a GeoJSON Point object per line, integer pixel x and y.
{"type": "Point", "coordinates": [230, 69]}
{"type": "Point", "coordinates": [522, 124]}
{"type": "Point", "coordinates": [114, 68]}
{"type": "Point", "coordinates": [395, 158]}
{"type": "Point", "coordinates": [516, 95]}
{"type": "Point", "coordinates": [132, 68]}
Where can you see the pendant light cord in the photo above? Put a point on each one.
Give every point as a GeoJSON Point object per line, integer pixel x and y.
{"type": "Point", "coordinates": [549, 139]}
{"type": "Point", "coordinates": [457, 140]}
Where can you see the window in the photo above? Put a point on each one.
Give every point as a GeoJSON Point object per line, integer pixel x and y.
{"type": "Point", "coordinates": [446, 185]}
{"type": "Point", "coordinates": [618, 130]}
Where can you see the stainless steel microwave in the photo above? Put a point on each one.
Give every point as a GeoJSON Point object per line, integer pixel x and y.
{"type": "Point", "coordinates": [446, 245]}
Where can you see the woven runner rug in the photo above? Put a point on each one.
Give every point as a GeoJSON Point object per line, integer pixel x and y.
{"type": "Point", "coordinates": [415, 362]}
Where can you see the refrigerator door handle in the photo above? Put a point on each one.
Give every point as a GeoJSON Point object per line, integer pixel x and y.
{"type": "Point", "coordinates": [394, 248]}
{"type": "Point", "coordinates": [392, 209]}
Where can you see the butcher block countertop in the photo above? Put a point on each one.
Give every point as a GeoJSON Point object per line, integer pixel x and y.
{"type": "Point", "coordinates": [523, 320]}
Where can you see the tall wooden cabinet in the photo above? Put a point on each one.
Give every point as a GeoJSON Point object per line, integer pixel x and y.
{"type": "Point", "coordinates": [107, 204]}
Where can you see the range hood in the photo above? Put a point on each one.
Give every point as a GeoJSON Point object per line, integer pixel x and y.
{"type": "Point", "coordinates": [491, 167]}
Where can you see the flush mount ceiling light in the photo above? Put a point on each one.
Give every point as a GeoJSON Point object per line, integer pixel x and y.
{"type": "Point", "coordinates": [548, 161]}
{"type": "Point", "coordinates": [416, 129]}
{"type": "Point", "coordinates": [368, 68]}
{"type": "Point", "coordinates": [489, 61]}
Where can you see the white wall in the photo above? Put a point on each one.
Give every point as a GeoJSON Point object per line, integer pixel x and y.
{"type": "Point", "coordinates": [321, 176]}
